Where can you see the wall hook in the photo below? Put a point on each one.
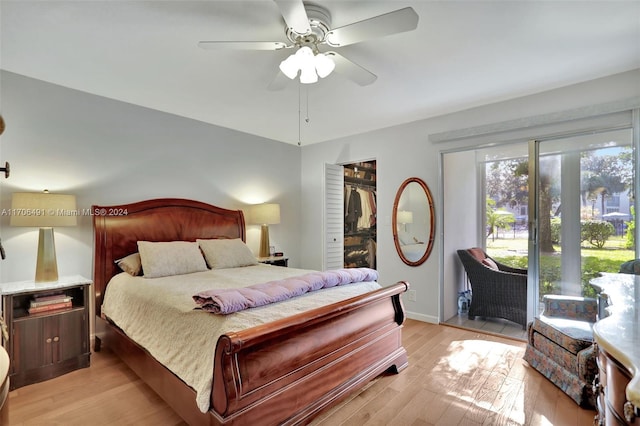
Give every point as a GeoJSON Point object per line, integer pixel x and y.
{"type": "Point", "coordinates": [6, 169]}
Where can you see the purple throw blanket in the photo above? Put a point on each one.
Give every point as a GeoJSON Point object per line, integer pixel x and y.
{"type": "Point", "coordinates": [229, 300]}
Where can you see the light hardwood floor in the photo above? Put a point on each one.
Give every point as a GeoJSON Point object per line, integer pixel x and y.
{"type": "Point", "coordinates": [455, 377]}
{"type": "Point", "coordinates": [490, 326]}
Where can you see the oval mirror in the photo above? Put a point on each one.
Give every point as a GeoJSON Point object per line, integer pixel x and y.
{"type": "Point", "coordinates": [413, 222]}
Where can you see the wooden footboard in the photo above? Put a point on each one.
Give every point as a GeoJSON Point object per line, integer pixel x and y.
{"type": "Point", "coordinates": [287, 371]}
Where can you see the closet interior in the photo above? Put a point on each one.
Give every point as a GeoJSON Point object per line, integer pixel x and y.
{"type": "Point", "coordinates": [360, 214]}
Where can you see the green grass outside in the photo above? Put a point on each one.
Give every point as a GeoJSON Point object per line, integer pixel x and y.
{"type": "Point", "coordinates": [513, 251]}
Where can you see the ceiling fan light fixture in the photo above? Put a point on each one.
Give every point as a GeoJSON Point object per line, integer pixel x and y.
{"type": "Point", "coordinates": [290, 67]}
{"type": "Point", "coordinates": [310, 65]}
{"type": "Point", "coordinates": [297, 62]}
{"type": "Point", "coordinates": [324, 65]}
{"type": "Point", "coordinates": [308, 75]}
{"type": "Point", "coordinates": [304, 54]}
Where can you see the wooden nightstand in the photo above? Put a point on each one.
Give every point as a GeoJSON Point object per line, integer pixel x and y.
{"type": "Point", "coordinates": [275, 260]}
{"type": "Point", "coordinates": [49, 343]}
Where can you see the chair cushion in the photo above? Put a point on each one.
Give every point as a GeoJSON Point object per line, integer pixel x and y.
{"type": "Point", "coordinates": [571, 335]}
{"type": "Point", "coordinates": [490, 263]}
{"type": "Point", "coordinates": [478, 253]}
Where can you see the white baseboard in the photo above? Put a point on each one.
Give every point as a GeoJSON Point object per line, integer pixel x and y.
{"type": "Point", "coordinates": [421, 317]}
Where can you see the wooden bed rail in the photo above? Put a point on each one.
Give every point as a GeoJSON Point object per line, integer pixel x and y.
{"type": "Point", "coordinates": [357, 339]}
{"type": "Point", "coordinates": [284, 326]}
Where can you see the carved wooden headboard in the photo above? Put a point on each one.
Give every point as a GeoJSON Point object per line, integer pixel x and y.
{"type": "Point", "coordinates": [117, 230]}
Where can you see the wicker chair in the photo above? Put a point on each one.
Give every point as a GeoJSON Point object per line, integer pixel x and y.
{"type": "Point", "coordinates": [498, 290]}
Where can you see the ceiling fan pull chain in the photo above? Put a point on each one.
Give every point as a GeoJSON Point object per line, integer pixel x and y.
{"type": "Point", "coordinates": [306, 119]}
{"type": "Point", "coordinates": [299, 115]}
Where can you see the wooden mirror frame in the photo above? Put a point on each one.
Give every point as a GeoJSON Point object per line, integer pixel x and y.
{"type": "Point", "coordinates": [432, 224]}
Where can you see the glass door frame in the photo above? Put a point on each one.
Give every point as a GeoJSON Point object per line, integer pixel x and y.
{"type": "Point", "coordinates": [533, 269]}
{"type": "Point", "coordinates": [533, 272]}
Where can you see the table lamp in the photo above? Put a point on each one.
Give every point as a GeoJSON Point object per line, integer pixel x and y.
{"type": "Point", "coordinates": [45, 211]}
{"type": "Point", "coordinates": [404, 217]}
{"type": "Point", "coordinates": [265, 215]}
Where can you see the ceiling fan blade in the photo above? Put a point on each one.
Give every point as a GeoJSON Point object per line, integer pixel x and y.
{"type": "Point", "coordinates": [351, 70]}
{"type": "Point", "coordinates": [294, 15]}
{"type": "Point", "coordinates": [395, 22]}
{"type": "Point", "coordinates": [242, 45]}
{"type": "Point", "coordinates": [279, 82]}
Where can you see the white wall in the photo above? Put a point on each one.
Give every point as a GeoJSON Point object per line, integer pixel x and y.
{"type": "Point", "coordinates": [405, 151]}
{"type": "Point", "coordinates": [109, 152]}
{"type": "Point", "coordinates": [459, 224]}
{"type": "Point", "coordinates": [105, 151]}
{"type": "Point", "coordinates": [400, 153]}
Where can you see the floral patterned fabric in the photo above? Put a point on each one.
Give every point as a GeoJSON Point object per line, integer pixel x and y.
{"type": "Point", "coordinates": [568, 382]}
{"type": "Point", "coordinates": [577, 308]}
{"type": "Point", "coordinates": [560, 346]}
{"type": "Point", "coordinates": [573, 336]}
{"type": "Point", "coordinates": [555, 352]}
{"type": "Point", "coordinates": [587, 364]}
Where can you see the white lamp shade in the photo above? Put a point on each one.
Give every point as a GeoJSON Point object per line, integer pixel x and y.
{"type": "Point", "coordinates": [309, 65]}
{"type": "Point", "coordinates": [308, 75]}
{"type": "Point", "coordinates": [290, 67]}
{"type": "Point", "coordinates": [324, 65]}
{"type": "Point", "coordinates": [405, 216]}
{"type": "Point", "coordinates": [265, 214]}
{"type": "Point", "coordinates": [41, 209]}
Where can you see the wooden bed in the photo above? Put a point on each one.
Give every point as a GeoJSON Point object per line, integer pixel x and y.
{"type": "Point", "coordinates": [283, 372]}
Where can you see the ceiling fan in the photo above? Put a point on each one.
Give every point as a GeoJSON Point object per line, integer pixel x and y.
{"type": "Point", "coordinates": [309, 33]}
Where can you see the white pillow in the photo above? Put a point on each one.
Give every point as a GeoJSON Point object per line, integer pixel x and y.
{"type": "Point", "coordinates": [227, 253]}
{"type": "Point", "coordinates": [170, 258]}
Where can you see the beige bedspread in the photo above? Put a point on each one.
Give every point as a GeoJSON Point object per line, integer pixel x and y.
{"type": "Point", "coordinates": [160, 315]}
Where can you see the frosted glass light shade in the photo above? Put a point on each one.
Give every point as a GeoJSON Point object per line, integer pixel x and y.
{"type": "Point", "coordinates": [324, 65]}
{"type": "Point", "coordinates": [308, 75]}
{"type": "Point", "coordinates": [290, 67]}
{"type": "Point", "coordinates": [309, 64]}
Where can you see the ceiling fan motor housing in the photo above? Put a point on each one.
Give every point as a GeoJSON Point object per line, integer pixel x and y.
{"type": "Point", "coordinates": [320, 23]}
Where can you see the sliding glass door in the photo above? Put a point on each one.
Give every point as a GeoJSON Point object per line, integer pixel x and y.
{"type": "Point", "coordinates": [561, 207]}
{"type": "Point", "coordinates": [582, 211]}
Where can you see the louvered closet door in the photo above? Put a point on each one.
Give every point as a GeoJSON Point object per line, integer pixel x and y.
{"type": "Point", "coordinates": [333, 217]}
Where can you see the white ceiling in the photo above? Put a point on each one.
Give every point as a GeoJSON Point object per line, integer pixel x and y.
{"type": "Point", "coordinates": [463, 54]}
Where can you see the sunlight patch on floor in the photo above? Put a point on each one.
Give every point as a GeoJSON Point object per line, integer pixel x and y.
{"type": "Point", "coordinates": [480, 376]}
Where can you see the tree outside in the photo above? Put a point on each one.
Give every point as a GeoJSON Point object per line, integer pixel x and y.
{"type": "Point", "coordinates": [605, 173]}
{"type": "Point", "coordinates": [497, 219]}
